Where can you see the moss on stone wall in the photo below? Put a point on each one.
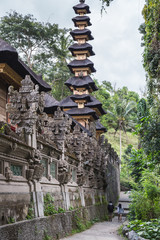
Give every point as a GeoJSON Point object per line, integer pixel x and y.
{"type": "Point", "coordinates": [59, 225]}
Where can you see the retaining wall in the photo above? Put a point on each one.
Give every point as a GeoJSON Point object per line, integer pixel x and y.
{"type": "Point", "coordinates": [56, 226]}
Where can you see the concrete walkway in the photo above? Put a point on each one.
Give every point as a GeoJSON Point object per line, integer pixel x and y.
{"type": "Point", "coordinates": [104, 230]}
{"type": "Point", "coordinates": [99, 231]}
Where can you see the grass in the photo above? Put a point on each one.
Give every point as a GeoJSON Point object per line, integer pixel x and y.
{"type": "Point", "coordinates": [128, 138]}
{"type": "Point", "coordinates": [126, 180]}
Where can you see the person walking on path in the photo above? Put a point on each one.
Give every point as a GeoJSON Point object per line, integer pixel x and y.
{"type": "Point", "coordinates": [110, 210]}
{"type": "Point", "coordinates": [120, 211]}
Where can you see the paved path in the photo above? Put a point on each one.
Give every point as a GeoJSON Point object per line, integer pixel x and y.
{"type": "Point", "coordinates": [104, 230]}
{"type": "Point", "coordinates": [99, 231]}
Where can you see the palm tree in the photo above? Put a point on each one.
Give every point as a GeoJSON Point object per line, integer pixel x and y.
{"type": "Point", "coordinates": [122, 118]}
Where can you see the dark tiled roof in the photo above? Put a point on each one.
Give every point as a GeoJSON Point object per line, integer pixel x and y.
{"type": "Point", "coordinates": [78, 32]}
{"type": "Point", "coordinates": [10, 56]}
{"type": "Point", "coordinates": [80, 97]}
{"type": "Point", "coordinates": [81, 47]}
{"type": "Point", "coordinates": [68, 103]}
{"type": "Point", "coordinates": [82, 112]}
{"type": "Point", "coordinates": [51, 104]}
{"type": "Point", "coordinates": [85, 81]}
{"type": "Point", "coordinates": [7, 52]}
{"type": "Point", "coordinates": [94, 103]}
{"type": "Point", "coordinates": [81, 19]}
{"type": "Point", "coordinates": [81, 64]}
{"type": "Point", "coordinates": [81, 6]}
{"type": "Point", "coordinates": [100, 127]}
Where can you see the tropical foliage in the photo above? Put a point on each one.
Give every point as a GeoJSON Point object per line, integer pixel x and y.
{"type": "Point", "coordinates": [151, 42]}
{"type": "Point", "coordinates": [148, 230]}
{"type": "Point", "coordinates": [149, 131]}
{"type": "Point", "coordinates": [144, 163]}
{"type": "Point", "coordinates": [43, 46]}
{"type": "Point", "coordinates": [145, 201]}
{"type": "Point", "coordinates": [120, 106]}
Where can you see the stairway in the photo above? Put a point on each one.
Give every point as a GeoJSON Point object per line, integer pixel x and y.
{"type": "Point", "coordinates": [125, 201]}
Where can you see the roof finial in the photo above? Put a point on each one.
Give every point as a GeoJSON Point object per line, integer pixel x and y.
{"type": "Point", "coordinates": [82, 1]}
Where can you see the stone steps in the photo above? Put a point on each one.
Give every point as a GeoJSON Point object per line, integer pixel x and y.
{"type": "Point", "coordinates": [125, 201]}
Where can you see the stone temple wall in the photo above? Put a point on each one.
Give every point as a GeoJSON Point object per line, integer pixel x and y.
{"type": "Point", "coordinates": [54, 227]}
{"type": "Point", "coordinates": [42, 154]}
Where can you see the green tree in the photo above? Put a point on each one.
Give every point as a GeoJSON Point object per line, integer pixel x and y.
{"type": "Point", "coordinates": [120, 106]}
{"type": "Point", "coordinates": [149, 129]}
{"type": "Point", "coordinates": [121, 117]}
{"type": "Point", "coordinates": [145, 201]}
{"type": "Point", "coordinates": [43, 46]}
{"type": "Point", "coordinates": [150, 31]}
{"type": "Point", "coordinates": [137, 162]}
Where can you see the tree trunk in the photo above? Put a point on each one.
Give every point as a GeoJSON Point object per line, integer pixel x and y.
{"type": "Point", "coordinates": [120, 144]}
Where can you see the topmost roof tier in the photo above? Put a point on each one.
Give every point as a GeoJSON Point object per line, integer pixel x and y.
{"type": "Point", "coordinates": [81, 8]}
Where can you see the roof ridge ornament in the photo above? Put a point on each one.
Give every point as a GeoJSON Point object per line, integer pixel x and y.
{"type": "Point", "coordinates": [81, 1]}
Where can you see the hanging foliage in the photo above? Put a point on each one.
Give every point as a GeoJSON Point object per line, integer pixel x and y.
{"type": "Point", "coordinates": [105, 3]}
{"type": "Point", "coordinates": [151, 42]}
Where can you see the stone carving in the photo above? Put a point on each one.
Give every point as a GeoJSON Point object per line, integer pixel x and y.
{"type": "Point", "coordinates": [91, 178]}
{"type": "Point", "coordinates": [36, 169]}
{"type": "Point", "coordinates": [8, 174]}
{"type": "Point", "coordinates": [36, 156]}
{"type": "Point", "coordinates": [23, 108]}
{"type": "Point", "coordinates": [29, 174]}
{"type": "Point", "coordinates": [14, 146]}
{"type": "Point", "coordinates": [38, 172]}
{"type": "Point", "coordinates": [64, 172]}
{"type": "Point", "coordinates": [86, 154]}
{"type": "Point", "coordinates": [92, 129]}
{"type": "Point", "coordinates": [80, 176]}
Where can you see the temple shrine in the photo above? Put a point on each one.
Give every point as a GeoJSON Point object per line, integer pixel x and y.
{"type": "Point", "coordinates": [82, 106]}
{"type": "Point", "coordinates": [52, 151]}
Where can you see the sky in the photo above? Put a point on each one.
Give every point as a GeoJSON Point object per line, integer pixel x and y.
{"type": "Point", "coordinates": [117, 41]}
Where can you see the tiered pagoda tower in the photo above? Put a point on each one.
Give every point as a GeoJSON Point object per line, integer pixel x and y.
{"type": "Point", "coordinates": [82, 106]}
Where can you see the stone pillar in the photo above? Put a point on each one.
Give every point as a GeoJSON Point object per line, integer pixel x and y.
{"type": "Point", "coordinates": [81, 192]}
{"type": "Point", "coordinates": [65, 195]}
{"type": "Point", "coordinates": [38, 200]}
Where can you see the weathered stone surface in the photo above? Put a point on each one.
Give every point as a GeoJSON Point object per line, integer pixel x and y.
{"type": "Point", "coordinates": [55, 154]}
{"type": "Point", "coordinates": [56, 226]}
